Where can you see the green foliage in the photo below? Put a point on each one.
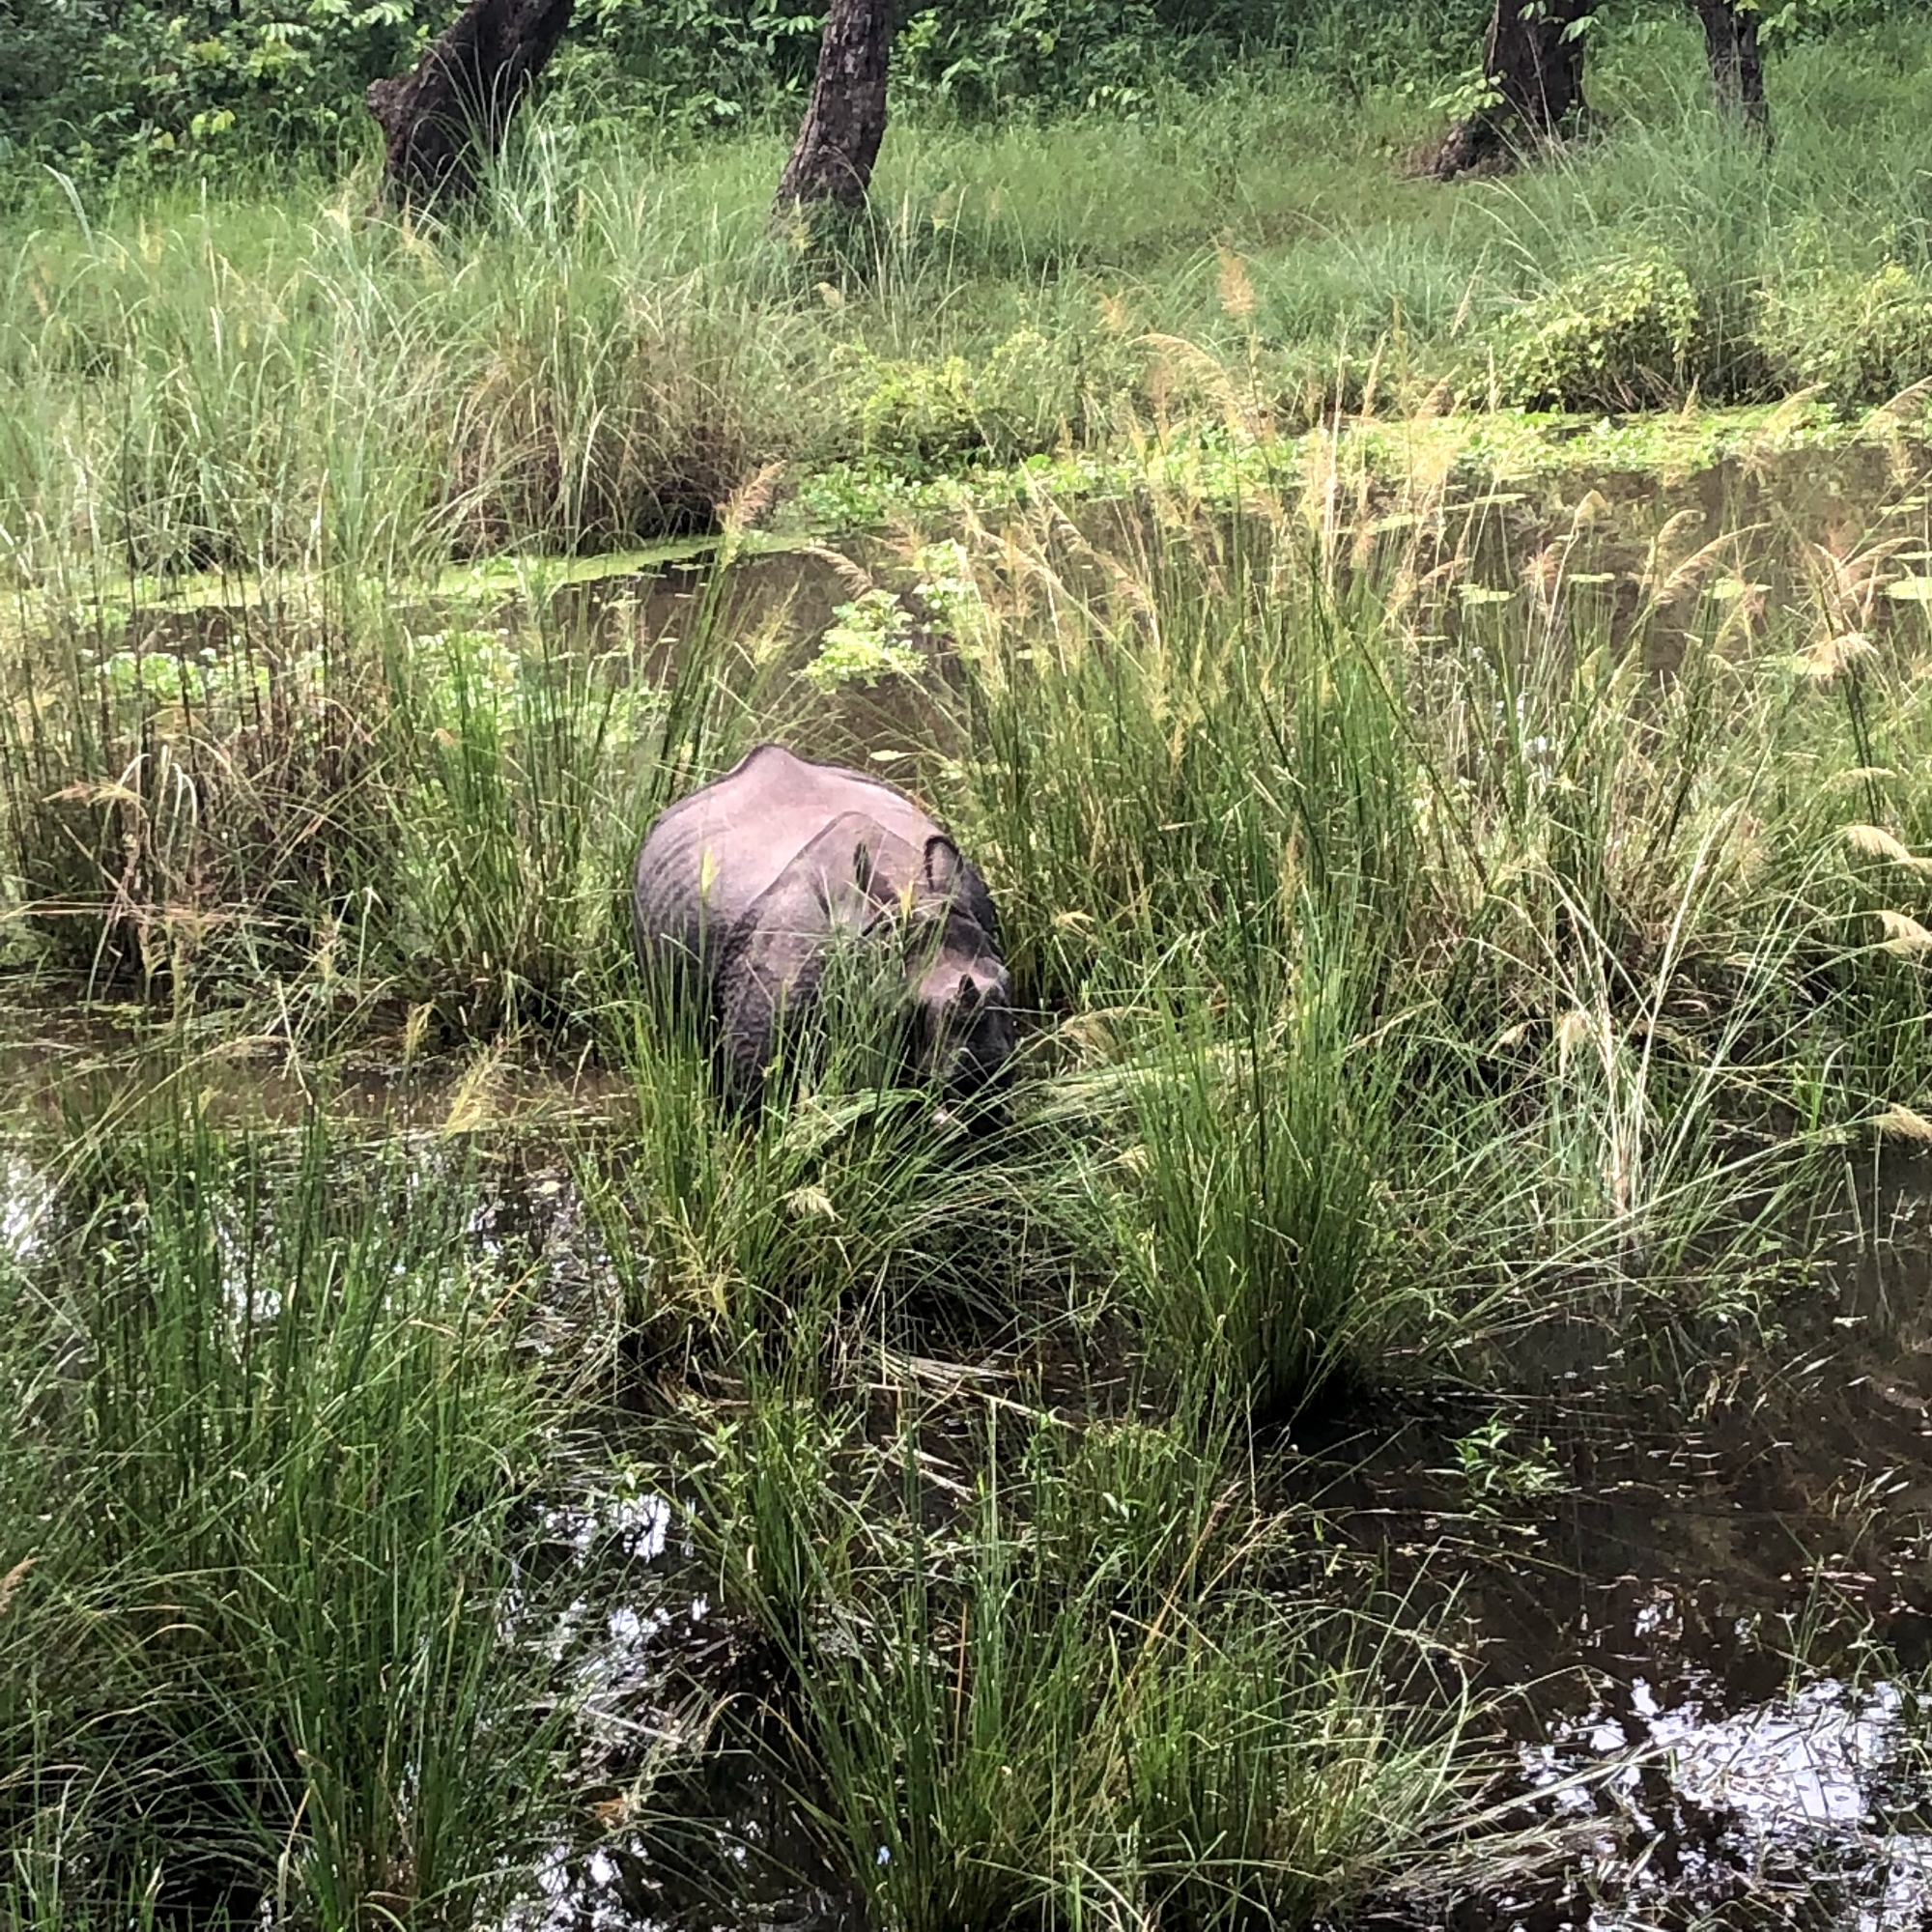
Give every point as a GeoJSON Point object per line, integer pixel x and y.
{"type": "Point", "coordinates": [1076, 1688]}
{"type": "Point", "coordinates": [269, 1438]}
{"type": "Point", "coordinates": [96, 83]}
{"type": "Point", "coordinates": [1495, 1474]}
{"type": "Point", "coordinates": [1623, 336]}
{"type": "Point", "coordinates": [867, 639]}
{"type": "Point", "coordinates": [1863, 338]}
{"type": "Point", "coordinates": [1020, 398]}
{"type": "Point", "coordinates": [1787, 20]}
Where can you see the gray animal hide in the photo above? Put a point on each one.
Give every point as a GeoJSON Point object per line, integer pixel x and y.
{"type": "Point", "coordinates": [746, 888]}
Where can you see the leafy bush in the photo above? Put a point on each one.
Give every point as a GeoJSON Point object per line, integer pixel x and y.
{"type": "Point", "coordinates": [1863, 337]}
{"type": "Point", "coordinates": [1624, 335]}
{"type": "Point", "coordinates": [869, 639]}
{"type": "Point", "coordinates": [913, 414]}
{"type": "Point", "coordinates": [105, 80]}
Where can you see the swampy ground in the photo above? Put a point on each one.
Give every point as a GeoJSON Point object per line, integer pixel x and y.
{"type": "Point", "coordinates": [1419, 1413]}
{"type": "Point", "coordinates": [1416, 1415]}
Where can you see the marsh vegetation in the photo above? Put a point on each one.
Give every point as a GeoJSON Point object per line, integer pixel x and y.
{"type": "Point", "coordinates": [1472, 933]}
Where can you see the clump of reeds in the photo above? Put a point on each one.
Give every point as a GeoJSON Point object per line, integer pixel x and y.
{"type": "Point", "coordinates": [269, 1455]}
{"type": "Point", "coordinates": [1066, 1688]}
{"type": "Point", "coordinates": [332, 809]}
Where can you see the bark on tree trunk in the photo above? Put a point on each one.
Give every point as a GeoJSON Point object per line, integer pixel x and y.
{"type": "Point", "coordinates": [451, 115]}
{"type": "Point", "coordinates": [1737, 63]}
{"type": "Point", "coordinates": [1534, 66]}
{"type": "Point", "coordinates": [845, 120]}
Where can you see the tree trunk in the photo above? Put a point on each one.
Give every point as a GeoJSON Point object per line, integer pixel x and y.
{"type": "Point", "coordinates": [1737, 63]}
{"type": "Point", "coordinates": [1533, 65]}
{"type": "Point", "coordinates": [846, 117]}
{"type": "Point", "coordinates": [450, 116]}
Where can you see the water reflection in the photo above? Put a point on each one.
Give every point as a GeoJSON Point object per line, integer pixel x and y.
{"type": "Point", "coordinates": [1703, 1807]}
{"type": "Point", "coordinates": [26, 1193]}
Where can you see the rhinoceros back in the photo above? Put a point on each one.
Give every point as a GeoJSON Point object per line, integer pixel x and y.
{"type": "Point", "coordinates": [709, 860]}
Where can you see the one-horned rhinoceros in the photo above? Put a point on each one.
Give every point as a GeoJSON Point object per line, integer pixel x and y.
{"type": "Point", "coordinates": [745, 887]}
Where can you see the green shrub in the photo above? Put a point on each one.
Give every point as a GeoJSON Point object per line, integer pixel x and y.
{"type": "Point", "coordinates": [1625, 335]}
{"type": "Point", "coordinates": [1863, 338]}
{"type": "Point", "coordinates": [915, 413]}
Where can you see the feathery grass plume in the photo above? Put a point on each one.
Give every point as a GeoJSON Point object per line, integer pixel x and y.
{"type": "Point", "coordinates": [747, 503]}
{"type": "Point", "coordinates": [1903, 934]}
{"type": "Point", "coordinates": [1236, 290]}
{"type": "Point", "coordinates": [11, 1582]}
{"type": "Point", "coordinates": [1875, 842]}
{"type": "Point", "coordinates": [475, 1098]}
{"type": "Point", "coordinates": [1830, 656]}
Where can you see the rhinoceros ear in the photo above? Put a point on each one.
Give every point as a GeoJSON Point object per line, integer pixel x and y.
{"type": "Point", "coordinates": [942, 864]}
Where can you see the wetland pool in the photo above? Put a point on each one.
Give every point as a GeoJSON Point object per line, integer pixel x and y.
{"type": "Point", "coordinates": [1689, 1586]}
{"type": "Point", "coordinates": [1704, 1633]}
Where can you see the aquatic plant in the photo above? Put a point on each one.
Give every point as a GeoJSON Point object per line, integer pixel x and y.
{"type": "Point", "coordinates": [270, 1453]}
{"type": "Point", "coordinates": [1075, 1696]}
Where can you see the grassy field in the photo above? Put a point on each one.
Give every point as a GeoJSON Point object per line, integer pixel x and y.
{"type": "Point", "coordinates": [1440, 927]}
{"type": "Point", "coordinates": [267, 381]}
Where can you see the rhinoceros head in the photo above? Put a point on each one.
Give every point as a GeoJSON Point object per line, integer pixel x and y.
{"type": "Point", "coordinates": [961, 995]}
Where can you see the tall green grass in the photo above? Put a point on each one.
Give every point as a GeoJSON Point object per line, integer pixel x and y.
{"type": "Point", "coordinates": [267, 381]}
{"type": "Point", "coordinates": [1066, 1692]}
{"type": "Point", "coordinates": [1423, 938]}
{"type": "Point", "coordinates": [333, 809]}
{"type": "Point", "coordinates": [271, 1450]}
{"type": "Point", "coordinates": [1399, 937]}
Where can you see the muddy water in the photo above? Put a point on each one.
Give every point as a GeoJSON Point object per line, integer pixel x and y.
{"type": "Point", "coordinates": [1705, 1636]}
{"type": "Point", "coordinates": [1634, 557]}
{"type": "Point", "coordinates": [79, 1063]}
{"type": "Point", "coordinates": [1751, 522]}
{"type": "Point", "coordinates": [1708, 1620]}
